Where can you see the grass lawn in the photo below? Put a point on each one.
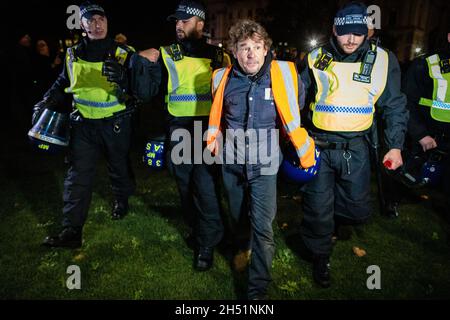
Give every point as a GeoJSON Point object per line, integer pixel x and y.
{"type": "Point", "coordinates": [145, 256]}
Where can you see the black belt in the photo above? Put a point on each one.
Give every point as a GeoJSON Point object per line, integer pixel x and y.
{"type": "Point", "coordinates": [76, 116]}
{"type": "Point", "coordinates": [341, 145]}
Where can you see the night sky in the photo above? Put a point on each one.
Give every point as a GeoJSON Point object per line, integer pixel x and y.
{"type": "Point", "coordinates": [142, 22]}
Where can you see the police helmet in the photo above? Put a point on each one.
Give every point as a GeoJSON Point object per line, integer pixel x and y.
{"type": "Point", "coordinates": [154, 153]}
{"type": "Point", "coordinates": [423, 169]}
{"type": "Point", "coordinates": [50, 133]}
{"type": "Point", "coordinates": [292, 171]}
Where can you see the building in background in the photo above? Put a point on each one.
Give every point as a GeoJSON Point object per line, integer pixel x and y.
{"type": "Point", "coordinates": [223, 14]}
{"type": "Point", "coordinates": [406, 25]}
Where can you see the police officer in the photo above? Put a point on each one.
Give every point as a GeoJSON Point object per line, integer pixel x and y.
{"type": "Point", "coordinates": [346, 79]}
{"type": "Point", "coordinates": [427, 86]}
{"type": "Point", "coordinates": [249, 97]}
{"type": "Point", "coordinates": [189, 62]}
{"type": "Point", "coordinates": [105, 80]}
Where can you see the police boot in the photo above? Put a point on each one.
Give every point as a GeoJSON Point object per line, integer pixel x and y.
{"type": "Point", "coordinates": [120, 209]}
{"type": "Point", "coordinates": [259, 296]}
{"type": "Point", "coordinates": [69, 237]}
{"type": "Point", "coordinates": [391, 210]}
{"type": "Point", "coordinates": [204, 259]}
{"type": "Point", "coordinates": [321, 270]}
{"type": "Point", "coordinates": [342, 232]}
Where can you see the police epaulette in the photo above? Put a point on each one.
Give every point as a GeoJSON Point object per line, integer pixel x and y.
{"type": "Point", "coordinates": [376, 42]}
{"type": "Point", "coordinates": [125, 47]}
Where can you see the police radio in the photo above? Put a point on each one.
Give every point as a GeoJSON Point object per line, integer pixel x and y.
{"type": "Point", "coordinates": [445, 66]}
{"type": "Point", "coordinates": [324, 61]}
{"type": "Point", "coordinates": [175, 52]}
{"type": "Point", "coordinates": [367, 65]}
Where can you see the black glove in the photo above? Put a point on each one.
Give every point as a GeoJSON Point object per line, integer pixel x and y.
{"type": "Point", "coordinates": [115, 72]}
{"type": "Point", "coordinates": [47, 103]}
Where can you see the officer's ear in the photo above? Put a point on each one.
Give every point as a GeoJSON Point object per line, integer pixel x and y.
{"type": "Point", "coordinates": [200, 25]}
{"type": "Point", "coordinates": [82, 22]}
{"type": "Point", "coordinates": [334, 31]}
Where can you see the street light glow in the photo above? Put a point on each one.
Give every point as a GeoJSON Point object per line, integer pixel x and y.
{"type": "Point", "coordinates": [418, 50]}
{"type": "Point", "coordinates": [313, 43]}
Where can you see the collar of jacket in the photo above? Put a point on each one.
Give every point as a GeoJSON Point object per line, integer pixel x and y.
{"type": "Point", "coordinates": [340, 56]}
{"type": "Point", "coordinates": [95, 50]}
{"type": "Point", "coordinates": [237, 70]}
{"type": "Point", "coordinates": [194, 47]}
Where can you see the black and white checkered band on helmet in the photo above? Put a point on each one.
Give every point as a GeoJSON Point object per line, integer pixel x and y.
{"type": "Point", "coordinates": [187, 9]}
{"type": "Point", "coordinates": [351, 19]}
{"type": "Point", "coordinates": [90, 10]}
{"type": "Point", "coordinates": [196, 12]}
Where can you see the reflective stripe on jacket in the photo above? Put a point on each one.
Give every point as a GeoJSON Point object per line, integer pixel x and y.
{"type": "Point", "coordinates": [342, 103]}
{"type": "Point", "coordinates": [189, 85]}
{"type": "Point", "coordinates": [440, 102]}
{"type": "Point", "coordinates": [94, 96]}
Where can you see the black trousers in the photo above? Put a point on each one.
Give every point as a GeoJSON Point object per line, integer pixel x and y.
{"type": "Point", "coordinates": [340, 190]}
{"type": "Point", "coordinates": [198, 187]}
{"type": "Point", "coordinates": [89, 139]}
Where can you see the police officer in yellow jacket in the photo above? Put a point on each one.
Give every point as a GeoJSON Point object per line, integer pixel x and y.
{"type": "Point", "coordinates": [104, 80]}
{"type": "Point", "coordinates": [346, 79]}
{"type": "Point", "coordinates": [427, 86]}
{"type": "Point", "coordinates": [249, 98]}
{"type": "Point", "coordinates": [189, 63]}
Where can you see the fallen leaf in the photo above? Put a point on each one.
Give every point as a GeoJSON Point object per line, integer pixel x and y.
{"type": "Point", "coordinates": [241, 260]}
{"type": "Point", "coordinates": [284, 226]}
{"type": "Point", "coordinates": [424, 197]}
{"type": "Point", "coordinates": [359, 252]}
{"type": "Point", "coordinates": [79, 257]}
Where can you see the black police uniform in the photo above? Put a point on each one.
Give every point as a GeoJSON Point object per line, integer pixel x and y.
{"type": "Point", "coordinates": [197, 183]}
{"type": "Point", "coordinates": [90, 138]}
{"type": "Point", "coordinates": [418, 84]}
{"type": "Point", "coordinates": [350, 201]}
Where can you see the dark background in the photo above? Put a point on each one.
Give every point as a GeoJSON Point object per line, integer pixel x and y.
{"type": "Point", "coordinates": [143, 22]}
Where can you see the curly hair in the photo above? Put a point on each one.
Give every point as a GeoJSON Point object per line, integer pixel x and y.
{"type": "Point", "coordinates": [247, 29]}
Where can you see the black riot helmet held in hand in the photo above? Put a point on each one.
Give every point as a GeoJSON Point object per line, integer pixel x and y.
{"type": "Point", "coordinates": [50, 131]}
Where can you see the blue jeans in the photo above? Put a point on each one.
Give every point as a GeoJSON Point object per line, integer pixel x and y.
{"type": "Point", "coordinates": [256, 198]}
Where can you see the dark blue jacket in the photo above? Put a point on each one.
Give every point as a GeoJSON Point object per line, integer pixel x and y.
{"type": "Point", "coordinates": [249, 106]}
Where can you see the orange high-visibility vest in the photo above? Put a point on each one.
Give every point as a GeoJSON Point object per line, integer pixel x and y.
{"type": "Point", "coordinates": [284, 80]}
